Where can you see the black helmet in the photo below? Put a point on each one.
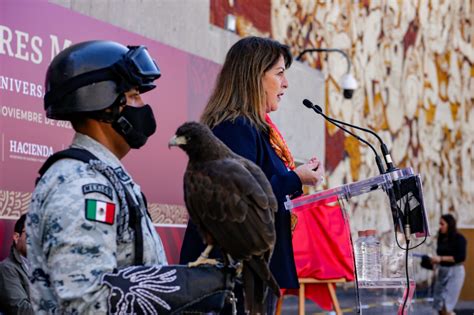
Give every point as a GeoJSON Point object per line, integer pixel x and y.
{"type": "Point", "coordinates": [90, 76]}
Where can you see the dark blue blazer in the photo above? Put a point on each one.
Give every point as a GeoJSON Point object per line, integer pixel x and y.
{"type": "Point", "coordinates": [246, 140]}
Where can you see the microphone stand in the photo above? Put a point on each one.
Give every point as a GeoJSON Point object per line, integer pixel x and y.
{"type": "Point", "coordinates": [336, 123]}
{"type": "Point", "coordinates": [383, 147]}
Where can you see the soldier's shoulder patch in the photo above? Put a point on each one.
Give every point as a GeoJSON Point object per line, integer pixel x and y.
{"type": "Point", "coordinates": [100, 211]}
{"type": "Point", "coordinates": [97, 188]}
{"type": "Point", "coordinates": [122, 175]}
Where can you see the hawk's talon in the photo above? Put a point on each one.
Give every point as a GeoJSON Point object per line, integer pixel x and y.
{"type": "Point", "coordinates": [203, 261]}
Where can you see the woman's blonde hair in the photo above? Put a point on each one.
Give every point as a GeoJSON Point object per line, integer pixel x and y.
{"type": "Point", "coordinates": [239, 90]}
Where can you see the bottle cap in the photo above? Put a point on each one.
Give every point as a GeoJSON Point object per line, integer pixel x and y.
{"type": "Point", "coordinates": [370, 232]}
{"type": "Point", "coordinates": [362, 233]}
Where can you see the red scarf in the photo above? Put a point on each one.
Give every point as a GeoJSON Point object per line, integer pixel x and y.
{"type": "Point", "coordinates": [279, 145]}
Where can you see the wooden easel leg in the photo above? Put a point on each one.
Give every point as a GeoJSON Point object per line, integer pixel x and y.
{"type": "Point", "coordinates": [301, 300]}
{"type": "Point", "coordinates": [279, 306]}
{"type": "Point", "coordinates": [335, 302]}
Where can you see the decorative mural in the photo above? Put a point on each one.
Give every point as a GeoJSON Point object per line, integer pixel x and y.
{"type": "Point", "coordinates": [414, 63]}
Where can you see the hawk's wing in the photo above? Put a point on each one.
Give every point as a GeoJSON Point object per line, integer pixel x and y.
{"type": "Point", "coordinates": [232, 204]}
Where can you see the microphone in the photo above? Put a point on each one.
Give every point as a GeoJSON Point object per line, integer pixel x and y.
{"type": "Point", "coordinates": [397, 214]}
{"type": "Point", "coordinates": [318, 110]}
{"type": "Point", "coordinates": [383, 147]}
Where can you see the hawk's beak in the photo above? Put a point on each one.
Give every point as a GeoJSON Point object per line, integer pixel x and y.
{"type": "Point", "coordinates": [176, 141]}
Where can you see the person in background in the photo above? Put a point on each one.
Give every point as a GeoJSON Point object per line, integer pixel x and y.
{"type": "Point", "coordinates": [14, 283]}
{"type": "Point", "coordinates": [451, 253]}
{"type": "Point", "coordinates": [250, 85]}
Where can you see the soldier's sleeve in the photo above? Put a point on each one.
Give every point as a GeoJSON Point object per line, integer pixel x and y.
{"type": "Point", "coordinates": [79, 242]}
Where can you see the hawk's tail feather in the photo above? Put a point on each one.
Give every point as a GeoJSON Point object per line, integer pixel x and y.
{"type": "Point", "coordinates": [261, 268]}
{"type": "Point", "coordinates": [254, 291]}
{"type": "Point", "coordinates": [257, 279]}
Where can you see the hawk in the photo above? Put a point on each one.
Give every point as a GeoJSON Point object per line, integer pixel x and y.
{"type": "Point", "coordinates": [233, 206]}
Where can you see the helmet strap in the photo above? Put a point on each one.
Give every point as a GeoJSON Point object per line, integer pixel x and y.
{"type": "Point", "coordinates": [109, 114]}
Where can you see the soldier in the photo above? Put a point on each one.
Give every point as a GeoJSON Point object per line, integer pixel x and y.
{"type": "Point", "coordinates": [87, 215]}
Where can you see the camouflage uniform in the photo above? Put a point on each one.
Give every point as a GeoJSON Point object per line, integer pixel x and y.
{"type": "Point", "coordinates": [68, 252]}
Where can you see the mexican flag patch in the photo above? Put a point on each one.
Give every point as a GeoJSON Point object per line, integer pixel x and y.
{"type": "Point", "coordinates": [100, 211]}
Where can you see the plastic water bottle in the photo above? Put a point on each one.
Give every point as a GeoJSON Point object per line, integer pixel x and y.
{"type": "Point", "coordinates": [359, 249]}
{"type": "Point", "coordinates": [372, 268]}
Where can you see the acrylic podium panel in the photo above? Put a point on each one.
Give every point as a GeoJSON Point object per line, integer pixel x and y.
{"type": "Point", "coordinates": [357, 215]}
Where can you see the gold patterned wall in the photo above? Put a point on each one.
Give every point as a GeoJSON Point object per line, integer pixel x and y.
{"type": "Point", "coordinates": [414, 63]}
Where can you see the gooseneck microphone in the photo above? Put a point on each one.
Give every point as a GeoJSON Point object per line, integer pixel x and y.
{"type": "Point", "coordinates": [383, 147]}
{"type": "Point", "coordinates": [318, 110]}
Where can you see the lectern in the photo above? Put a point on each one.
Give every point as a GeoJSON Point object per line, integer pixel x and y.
{"type": "Point", "coordinates": [398, 201]}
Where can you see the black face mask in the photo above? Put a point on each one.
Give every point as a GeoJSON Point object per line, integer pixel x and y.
{"type": "Point", "coordinates": [135, 124]}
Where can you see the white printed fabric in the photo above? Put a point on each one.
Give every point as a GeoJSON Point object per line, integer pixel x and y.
{"type": "Point", "coordinates": [168, 289]}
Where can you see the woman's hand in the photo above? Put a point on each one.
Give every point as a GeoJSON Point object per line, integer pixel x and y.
{"type": "Point", "coordinates": [311, 173]}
